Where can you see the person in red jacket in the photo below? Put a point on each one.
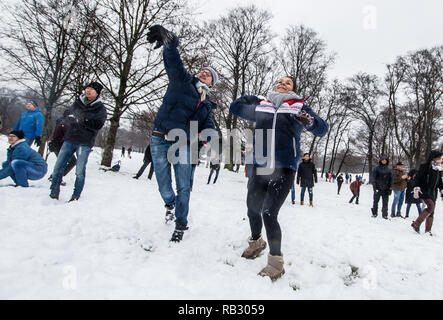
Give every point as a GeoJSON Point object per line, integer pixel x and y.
{"type": "Point", "coordinates": [355, 189]}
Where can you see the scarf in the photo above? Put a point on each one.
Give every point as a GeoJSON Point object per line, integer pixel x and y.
{"type": "Point", "coordinates": [277, 98]}
{"type": "Point", "coordinates": [202, 89]}
{"type": "Point", "coordinates": [437, 166]}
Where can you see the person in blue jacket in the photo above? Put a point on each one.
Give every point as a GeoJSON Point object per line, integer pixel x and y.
{"type": "Point", "coordinates": [283, 115]}
{"type": "Point", "coordinates": [22, 163]}
{"type": "Point", "coordinates": [186, 99]}
{"type": "Point", "coordinates": [31, 123]}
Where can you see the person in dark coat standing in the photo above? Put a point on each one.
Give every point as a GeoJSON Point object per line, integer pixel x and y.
{"type": "Point", "coordinates": [427, 182]}
{"type": "Point", "coordinates": [86, 117]}
{"type": "Point", "coordinates": [409, 199]}
{"type": "Point", "coordinates": [215, 167]}
{"type": "Point", "coordinates": [147, 159]}
{"type": "Point", "coordinates": [355, 189]}
{"type": "Point", "coordinates": [339, 182]}
{"type": "Point", "coordinates": [306, 176]}
{"type": "Point", "coordinates": [129, 152]}
{"type": "Point", "coordinates": [123, 151]}
{"type": "Point", "coordinates": [55, 145]}
{"type": "Point", "coordinates": [186, 101]}
{"type": "Point", "coordinates": [382, 181]}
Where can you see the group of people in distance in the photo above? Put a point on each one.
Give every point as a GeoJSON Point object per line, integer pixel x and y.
{"type": "Point", "coordinates": [282, 114]}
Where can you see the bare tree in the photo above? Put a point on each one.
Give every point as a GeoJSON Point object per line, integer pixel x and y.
{"type": "Point", "coordinates": [43, 46]}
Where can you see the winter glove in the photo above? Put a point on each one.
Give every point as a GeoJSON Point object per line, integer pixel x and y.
{"type": "Point", "coordinates": [304, 118]}
{"type": "Point", "coordinates": [389, 192]}
{"type": "Point", "coordinates": [417, 192]}
{"type": "Point", "coordinates": [38, 141]}
{"type": "Point", "coordinates": [51, 146]}
{"type": "Point", "coordinates": [159, 34]}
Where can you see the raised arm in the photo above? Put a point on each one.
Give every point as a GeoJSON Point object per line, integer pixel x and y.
{"type": "Point", "coordinates": [244, 107]}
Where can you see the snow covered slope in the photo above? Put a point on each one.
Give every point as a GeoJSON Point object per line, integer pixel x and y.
{"type": "Point", "coordinates": [91, 249]}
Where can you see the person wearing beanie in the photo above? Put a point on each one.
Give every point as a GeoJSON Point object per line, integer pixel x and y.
{"type": "Point", "coordinates": [187, 101]}
{"type": "Point", "coordinates": [31, 123]}
{"type": "Point", "coordinates": [85, 117]}
{"type": "Point", "coordinates": [22, 162]}
{"type": "Point", "coordinates": [427, 182]}
{"type": "Point", "coordinates": [399, 186]}
{"type": "Point", "coordinates": [382, 181]}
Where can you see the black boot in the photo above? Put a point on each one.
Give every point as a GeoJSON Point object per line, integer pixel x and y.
{"type": "Point", "coordinates": [73, 198]}
{"type": "Point", "coordinates": [177, 236]}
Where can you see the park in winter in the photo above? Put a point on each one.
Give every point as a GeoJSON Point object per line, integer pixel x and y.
{"type": "Point", "coordinates": [190, 150]}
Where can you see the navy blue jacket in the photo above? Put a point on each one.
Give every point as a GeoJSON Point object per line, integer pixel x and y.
{"type": "Point", "coordinates": [90, 119]}
{"type": "Point", "coordinates": [382, 178]}
{"type": "Point", "coordinates": [181, 103]}
{"type": "Point", "coordinates": [285, 147]}
{"type": "Point", "coordinates": [22, 151]}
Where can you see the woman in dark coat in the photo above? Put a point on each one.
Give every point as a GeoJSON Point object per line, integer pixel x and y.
{"type": "Point", "coordinates": [427, 181]}
{"type": "Point", "coordinates": [409, 200]}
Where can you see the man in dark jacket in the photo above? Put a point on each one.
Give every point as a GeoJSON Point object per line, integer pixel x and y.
{"type": "Point", "coordinates": [22, 162]}
{"type": "Point", "coordinates": [339, 182]}
{"type": "Point", "coordinates": [186, 100]}
{"type": "Point", "coordinates": [382, 181]}
{"type": "Point", "coordinates": [147, 159]}
{"type": "Point", "coordinates": [306, 175]}
{"type": "Point", "coordinates": [86, 117]}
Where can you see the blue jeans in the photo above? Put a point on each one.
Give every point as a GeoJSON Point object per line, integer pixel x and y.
{"type": "Point", "coordinates": [182, 171]}
{"type": "Point", "coordinates": [399, 197]}
{"type": "Point", "coordinates": [66, 152]}
{"type": "Point", "coordinates": [293, 193]}
{"type": "Point", "coordinates": [24, 171]}
{"type": "Point", "coordinates": [408, 207]}
{"type": "Point", "coordinates": [302, 194]}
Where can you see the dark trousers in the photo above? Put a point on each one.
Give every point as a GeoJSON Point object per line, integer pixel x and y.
{"type": "Point", "coordinates": [385, 200]}
{"type": "Point", "coordinates": [339, 187]}
{"type": "Point", "coordinates": [216, 175]}
{"type": "Point", "coordinates": [266, 195]}
{"type": "Point", "coordinates": [142, 169]}
{"type": "Point", "coordinates": [354, 195]}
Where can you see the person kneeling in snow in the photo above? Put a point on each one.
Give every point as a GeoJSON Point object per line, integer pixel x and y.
{"type": "Point", "coordinates": [114, 168]}
{"type": "Point", "coordinates": [22, 163]}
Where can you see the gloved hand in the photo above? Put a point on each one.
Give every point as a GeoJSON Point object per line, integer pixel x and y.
{"type": "Point", "coordinates": [304, 118]}
{"type": "Point", "coordinates": [417, 192]}
{"type": "Point", "coordinates": [72, 118]}
{"type": "Point", "coordinates": [159, 34]}
{"type": "Point", "coordinates": [38, 141]}
{"type": "Point", "coordinates": [51, 146]}
{"type": "Point", "coordinates": [389, 192]}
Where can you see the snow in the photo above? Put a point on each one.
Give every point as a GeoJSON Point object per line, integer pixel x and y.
{"type": "Point", "coordinates": [91, 249]}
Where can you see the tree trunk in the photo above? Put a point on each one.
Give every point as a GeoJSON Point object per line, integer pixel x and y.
{"type": "Point", "coordinates": [110, 141]}
{"type": "Point", "coordinates": [47, 130]}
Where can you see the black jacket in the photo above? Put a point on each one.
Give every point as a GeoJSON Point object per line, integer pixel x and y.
{"type": "Point", "coordinates": [148, 156]}
{"type": "Point", "coordinates": [382, 178]}
{"type": "Point", "coordinates": [85, 121]}
{"type": "Point", "coordinates": [340, 179]}
{"type": "Point", "coordinates": [307, 174]}
{"type": "Point", "coordinates": [429, 180]}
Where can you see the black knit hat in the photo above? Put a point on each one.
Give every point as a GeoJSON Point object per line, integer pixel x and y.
{"type": "Point", "coordinates": [400, 163]}
{"type": "Point", "coordinates": [18, 133]}
{"type": "Point", "coordinates": [96, 86]}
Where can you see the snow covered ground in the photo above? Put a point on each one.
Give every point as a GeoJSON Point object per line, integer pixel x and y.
{"type": "Point", "coordinates": [91, 249]}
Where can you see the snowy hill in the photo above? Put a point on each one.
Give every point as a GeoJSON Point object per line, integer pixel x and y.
{"type": "Point", "coordinates": [91, 249]}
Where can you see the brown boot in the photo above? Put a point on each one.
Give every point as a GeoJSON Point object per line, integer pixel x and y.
{"type": "Point", "coordinates": [274, 269]}
{"type": "Point", "coordinates": [428, 225]}
{"type": "Point", "coordinates": [254, 249]}
{"type": "Point", "coordinates": [301, 203]}
{"type": "Point", "coordinates": [310, 204]}
{"type": "Point", "coordinates": [416, 224]}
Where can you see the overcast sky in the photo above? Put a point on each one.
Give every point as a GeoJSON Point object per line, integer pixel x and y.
{"type": "Point", "coordinates": [365, 34]}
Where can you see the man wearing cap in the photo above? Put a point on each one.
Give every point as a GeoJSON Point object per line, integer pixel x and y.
{"type": "Point", "coordinates": [31, 123]}
{"type": "Point", "coordinates": [86, 117]}
{"type": "Point", "coordinates": [382, 180]}
{"type": "Point", "coordinates": [22, 162]}
{"type": "Point", "coordinates": [186, 100]}
{"type": "Point", "coordinates": [399, 186]}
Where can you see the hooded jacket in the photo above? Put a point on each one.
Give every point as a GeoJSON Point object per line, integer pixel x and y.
{"type": "Point", "coordinates": [31, 123]}
{"type": "Point", "coordinates": [428, 179]}
{"type": "Point", "coordinates": [382, 177]}
{"type": "Point", "coordinates": [181, 103]}
{"type": "Point", "coordinates": [22, 151]}
{"type": "Point", "coordinates": [285, 129]}
{"type": "Point", "coordinates": [86, 121]}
